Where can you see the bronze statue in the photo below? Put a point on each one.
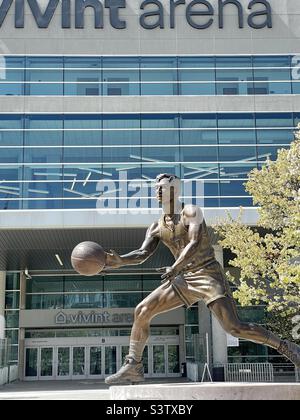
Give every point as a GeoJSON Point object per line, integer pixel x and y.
{"type": "Point", "coordinates": [195, 275]}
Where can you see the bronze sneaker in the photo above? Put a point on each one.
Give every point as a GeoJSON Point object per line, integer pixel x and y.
{"type": "Point", "coordinates": [132, 372]}
{"type": "Point", "coordinates": [291, 351]}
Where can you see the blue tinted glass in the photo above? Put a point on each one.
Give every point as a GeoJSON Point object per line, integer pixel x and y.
{"type": "Point", "coordinates": [236, 170]}
{"type": "Point", "coordinates": [11, 130]}
{"type": "Point", "coordinates": [268, 152]}
{"type": "Point", "coordinates": [45, 76]}
{"type": "Point", "coordinates": [201, 171]}
{"type": "Point", "coordinates": [121, 76]}
{"type": "Point", "coordinates": [272, 61]}
{"type": "Point", "coordinates": [193, 71]}
{"type": "Point", "coordinates": [198, 121]}
{"type": "Point", "coordinates": [159, 76]}
{"type": "Point", "coordinates": [43, 155]}
{"type": "Point", "coordinates": [12, 70]}
{"type": "Point", "coordinates": [199, 154]}
{"type": "Point", "coordinates": [275, 120]}
{"type": "Point", "coordinates": [11, 173]}
{"type": "Point", "coordinates": [44, 122]}
{"type": "Point", "coordinates": [237, 136]}
{"type": "Point", "coordinates": [161, 155]}
{"type": "Point", "coordinates": [121, 154]}
{"type": "Point", "coordinates": [233, 154]}
{"type": "Point", "coordinates": [36, 204]}
{"type": "Point", "coordinates": [233, 188]}
{"type": "Point", "coordinates": [296, 87]}
{"type": "Point", "coordinates": [85, 75]}
{"type": "Point", "coordinates": [8, 155]}
{"type": "Point", "coordinates": [10, 191]}
{"type": "Point", "coordinates": [296, 119]}
{"type": "Point", "coordinates": [121, 130]}
{"type": "Point", "coordinates": [82, 154]}
{"type": "Point", "coordinates": [280, 136]}
{"type": "Point", "coordinates": [236, 120]}
{"type": "Point", "coordinates": [234, 61]}
{"type": "Point", "coordinates": [119, 171]}
{"type": "Point", "coordinates": [167, 132]}
{"type": "Point", "coordinates": [42, 190]}
{"type": "Point", "coordinates": [151, 170]}
{"type": "Point", "coordinates": [198, 137]}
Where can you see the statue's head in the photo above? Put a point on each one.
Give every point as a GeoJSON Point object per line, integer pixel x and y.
{"type": "Point", "coordinates": [168, 188]}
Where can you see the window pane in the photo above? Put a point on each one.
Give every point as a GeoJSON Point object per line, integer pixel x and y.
{"type": "Point", "coordinates": [120, 283]}
{"type": "Point", "coordinates": [12, 300]}
{"type": "Point", "coordinates": [45, 285]}
{"type": "Point", "coordinates": [12, 281]}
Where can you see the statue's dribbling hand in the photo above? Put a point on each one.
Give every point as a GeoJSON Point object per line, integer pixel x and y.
{"type": "Point", "coordinates": [113, 260]}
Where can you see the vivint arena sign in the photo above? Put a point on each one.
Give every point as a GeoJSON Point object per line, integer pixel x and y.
{"type": "Point", "coordinates": [199, 14]}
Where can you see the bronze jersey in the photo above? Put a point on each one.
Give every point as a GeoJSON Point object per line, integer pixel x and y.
{"type": "Point", "coordinates": [176, 238]}
{"type": "Point", "coordinates": [203, 277]}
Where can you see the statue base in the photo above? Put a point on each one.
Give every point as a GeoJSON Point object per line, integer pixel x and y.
{"type": "Point", "coordinates": [205, 391]}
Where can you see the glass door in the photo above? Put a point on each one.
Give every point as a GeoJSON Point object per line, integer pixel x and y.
{"type": "Point", "coordinates": [173, 360]}
{"type": "Point", "coordinates": [46, 363]}
{"type": "Point", "coordinates": [159, 361]}
{"type": "Point", "coordinates": [63, 363]}
{"type": "Point", "coordinates": [31, 363]}
{"type": "Point", "coordinates": [95, 361]}
{"type": "Point", "coordinates": [110, 360]}
{"type": "Point", "coordinates": [78, 363]}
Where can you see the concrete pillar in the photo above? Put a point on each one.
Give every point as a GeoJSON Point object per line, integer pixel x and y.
{"type": "Point", "coordinates": [23, 281]}
{"type": "Point", "coordinates": [219, 336]}
{"type": "Point", "coordinates": [2, 303]}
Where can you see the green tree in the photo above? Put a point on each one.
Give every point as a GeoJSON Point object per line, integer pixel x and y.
{"type": "Point", "coordinates": [268, 256]}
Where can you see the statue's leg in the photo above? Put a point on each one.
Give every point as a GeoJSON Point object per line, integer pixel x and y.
{"type": "Point", "coordinates": [159, 301]}
{"type": "Point", "coordinates": [225, 311]}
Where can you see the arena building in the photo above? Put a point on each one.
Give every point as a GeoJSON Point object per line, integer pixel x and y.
{"type": "Point", "coordinates": [97, 98]}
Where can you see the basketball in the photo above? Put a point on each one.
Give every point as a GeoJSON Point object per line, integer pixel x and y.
{"type": "Point", "coordinates": [88, 258]}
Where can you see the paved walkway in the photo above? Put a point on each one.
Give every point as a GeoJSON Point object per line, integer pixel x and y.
{"type": "Point", "coordinates": [63, 390]}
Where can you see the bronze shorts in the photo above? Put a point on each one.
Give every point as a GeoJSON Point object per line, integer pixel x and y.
{"type": "Point", "coordinates": [208, 284]}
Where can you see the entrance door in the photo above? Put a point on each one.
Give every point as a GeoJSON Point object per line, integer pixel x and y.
{"type": "Point", "coordinates": [46, 363]}
{"type": "Point", "coordinates": [79, 370]}
{"type": "Point", "coordinates": [39, 363]}
{"type": "Point", "coordinates": [164, 361]}
{"type": "Point", "coordinates": [63, 363]}
{"type": "Point", "coordinates": [95, 362]}
{"type": "Point", "coordinates": [31, 363]}
{"type": "Point", "coordinates": [110, 360]}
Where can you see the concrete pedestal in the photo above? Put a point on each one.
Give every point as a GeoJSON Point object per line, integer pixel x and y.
{"type": "Point", "coordinates": [198, 391]}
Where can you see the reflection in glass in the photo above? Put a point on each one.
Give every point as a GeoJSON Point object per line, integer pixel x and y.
{"type": "Point", "coordinates": [95, 361]}
{"type": "Point", "coordinates": [63, 360]}
{"type": "Point", "coordinates": [159, 362]}
{"type": "Point", "coordinates": [46, 362]}
{"type": "Point", "coordinates": [31, 363]}
{"type": "Point", "coordinates": [110, 360]}
{"type": "Point", "coordinates": [78, 361]}
{"type": "Point", "coordinates": [173, 359]}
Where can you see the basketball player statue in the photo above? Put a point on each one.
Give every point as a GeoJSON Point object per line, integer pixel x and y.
{"type": "Point", "coordinates": [195, 275]}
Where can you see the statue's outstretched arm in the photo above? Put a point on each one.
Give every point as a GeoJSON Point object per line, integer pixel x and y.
{"type": "Point", "coordinates": [114, 260]}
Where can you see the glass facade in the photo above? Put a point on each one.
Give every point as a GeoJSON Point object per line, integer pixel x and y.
{"type": "Point", "coordinates": [76, 161]}
{"type": "Point", "coordinates": [124, 291]}
{"type": "Point", "coordinates": [134, 76]}
{"type": "Point", "coordinates": [12, 305]}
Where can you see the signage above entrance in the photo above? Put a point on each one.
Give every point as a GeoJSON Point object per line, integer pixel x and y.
{"type": "Point", "coordinates": [92, 318]}
{"type": "Point", "coordinates": [199, 14]}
